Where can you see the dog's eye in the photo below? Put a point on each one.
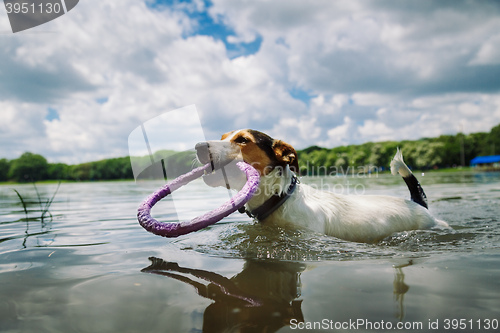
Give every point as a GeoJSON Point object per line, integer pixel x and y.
{"type": "Point", "coordinates": [241, 139]}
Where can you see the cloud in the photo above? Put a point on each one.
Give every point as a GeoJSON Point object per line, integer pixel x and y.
{"type": "Point", "coordinates": [399, 54]}
{"type": "Point", "coordinates": [113, 76]}
{"type": "Point", "coordinates": [489, 52]}
{"type": "Point", "coordinates": [74, 64]}
{"type": "Point", "coordinates": [319, 73]}
{"type": "Point", "coordinates": [375, 47]}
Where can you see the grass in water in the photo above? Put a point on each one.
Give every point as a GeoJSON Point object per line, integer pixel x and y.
{"type": "Point", "coordinates": [44, 210]}
{"type": "Point", "coordinates": [44, 204]}
{"type": "Point", "coordinates": [23, 202]}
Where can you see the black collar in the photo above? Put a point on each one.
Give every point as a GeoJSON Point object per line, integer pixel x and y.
{"type": "Point", "coordinates": [271, 204]}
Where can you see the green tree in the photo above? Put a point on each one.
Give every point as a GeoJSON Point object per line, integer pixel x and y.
{"type": "Point", "coordinates": [57, 171]}
{"type": "Point", "coordinates": [476, 144]}
{"type": "Point", "coordinates": [451, 145]}
{"type": "Point", "coordinates": [79, 171]}
{"type": "Point", "coordinates": [4, 169]}
{"type": "Point", "coordinates": [423, 154]}
{"type": "Point", "coordinates": [358, 158]}
{"type": "Point", "coordinates": [342, 161]}
{"type": "Point", "coordinates": [318, 161]}
{"type": "Point", "coordinates": [382, 153]}
{"type": "Point", "coordinates": [28, 167]}
{"type": "Point", "coordinates": [492, 142]}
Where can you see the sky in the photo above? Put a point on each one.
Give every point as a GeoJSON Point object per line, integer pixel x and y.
{"type": "Point", "coordinates": [320, 72]}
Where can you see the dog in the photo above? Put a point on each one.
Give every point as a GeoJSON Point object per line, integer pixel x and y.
{"type": "Point", "coordinates": [282, 200]}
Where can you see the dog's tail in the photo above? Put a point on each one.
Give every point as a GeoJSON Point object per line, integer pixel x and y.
{"type": "Point", "coordinates": [416, 191]}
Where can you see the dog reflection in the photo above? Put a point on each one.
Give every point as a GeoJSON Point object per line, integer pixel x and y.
{"type": "Point", "coordinates": [261, 298]}
{"type": "Point", "coordinates": [400, 289]}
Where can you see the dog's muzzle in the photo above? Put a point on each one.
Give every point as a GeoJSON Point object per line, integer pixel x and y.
{"type": "Point", "coordinates": [203, 152]}
{"type": "Point", "coordinates": [210, 153]}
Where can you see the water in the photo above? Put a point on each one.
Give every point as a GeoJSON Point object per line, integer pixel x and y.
{"type": "Point", "coordinates": [89, 267]}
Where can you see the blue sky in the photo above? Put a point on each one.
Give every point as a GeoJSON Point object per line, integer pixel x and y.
{"type": "Point", "coordinates": [207, 25]}
{"type": "Point", "coordinates": [322, 72]}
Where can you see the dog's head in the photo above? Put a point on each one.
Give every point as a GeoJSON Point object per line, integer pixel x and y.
{"type": "Point", "coordinates": [261, 151]}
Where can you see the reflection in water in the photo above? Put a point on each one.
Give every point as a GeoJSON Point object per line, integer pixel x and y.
{"type": "Point", "coordinates": [261, 298]}
{"type": "Point", "coordinates": [400, 289]}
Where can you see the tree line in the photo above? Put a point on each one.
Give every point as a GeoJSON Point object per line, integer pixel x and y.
{"type": "Point", "coordinates": [31, 167]}
{"type": "Point", "coordinates": [445, 151]}
{"type": "Point", "coordinates": [442, 152]}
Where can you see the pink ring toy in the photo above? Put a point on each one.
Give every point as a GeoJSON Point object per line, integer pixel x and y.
{"type": "Point", "coordinates": [175, 229]}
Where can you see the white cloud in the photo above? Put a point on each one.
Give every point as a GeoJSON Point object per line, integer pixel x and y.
{"type": "Point", "coordinates": [372, 99]}
{"type": "Point", "coordinates": [299, 132]}
{"type": "Point", "coordinates": [489, 52]}
{"type": "Point", "coordinates": [376, 71]}
{"type": "Point", "coordinates": [142, 69]}
{"type": "Point", "coordinates": [331, 106]}
{"type": "Point", "coordinates": [348, 46]}
{"type": "Point", "coordinates": [343, 134]}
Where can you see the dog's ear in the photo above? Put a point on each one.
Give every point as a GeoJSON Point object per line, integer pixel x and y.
{"type": "Point", "coordinates": [286, 154]}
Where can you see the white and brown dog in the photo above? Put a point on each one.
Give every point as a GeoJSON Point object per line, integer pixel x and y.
{"type": "Point", "coordinates": [282, 200]}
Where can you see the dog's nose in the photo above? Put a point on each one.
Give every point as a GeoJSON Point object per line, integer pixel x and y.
{"type": "Point", "coordinates": [201, 146]}
{"type": "Point", "coordinates": [202, 150]}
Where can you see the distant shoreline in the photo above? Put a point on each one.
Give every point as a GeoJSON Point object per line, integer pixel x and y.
{"type": "Point", "coordinates": [447, 152]}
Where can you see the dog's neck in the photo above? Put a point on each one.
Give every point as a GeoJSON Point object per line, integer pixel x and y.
{"type": "Point", "coordinates": [274, 183]}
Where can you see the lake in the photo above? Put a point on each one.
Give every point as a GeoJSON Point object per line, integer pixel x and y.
{"type": "Point", "coordinates": [88, 266]}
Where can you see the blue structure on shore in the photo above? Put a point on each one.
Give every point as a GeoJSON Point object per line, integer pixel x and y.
{"type": "Point", "coordinates": [492, 161]}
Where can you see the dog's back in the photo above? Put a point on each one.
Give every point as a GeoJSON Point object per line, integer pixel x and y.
{"type": "Point", "coordinates": [361, 218]}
